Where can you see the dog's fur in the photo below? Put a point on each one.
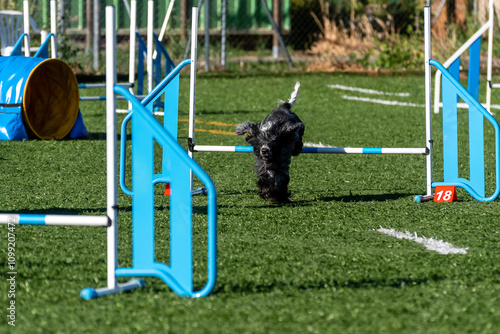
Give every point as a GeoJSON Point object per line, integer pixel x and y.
{"type": "Point", "coordinates": [274, 142]}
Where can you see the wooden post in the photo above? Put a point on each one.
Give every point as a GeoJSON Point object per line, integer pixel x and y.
{"type": "Point", "coordinates": [439, 23]}
{"type": "Point", "coordinates": [460, 12]}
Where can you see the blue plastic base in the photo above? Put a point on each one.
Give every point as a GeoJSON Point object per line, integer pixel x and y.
{"type": "Point", "coordinates": [93, 293]}
{"type": "Point", "coordinates": [422, 198]}
{"type": "Point", "coordinates": [199, 191]}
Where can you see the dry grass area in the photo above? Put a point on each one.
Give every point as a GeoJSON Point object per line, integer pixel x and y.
{"type": "Point", "coordinates": [338, 41]}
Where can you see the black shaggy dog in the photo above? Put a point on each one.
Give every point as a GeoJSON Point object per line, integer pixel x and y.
{"type": "Point", "coordinates": [274, 142]}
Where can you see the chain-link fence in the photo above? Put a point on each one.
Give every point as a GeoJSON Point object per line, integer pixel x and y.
{"type": "Point", "coordinates": [318, 34]}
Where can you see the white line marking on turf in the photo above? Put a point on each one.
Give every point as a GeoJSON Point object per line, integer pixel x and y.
{"type": "Point", "coordinates": [404, 104]}
{"type": "Point", "coordinates": [386, 102]}
{"type": "Point", "coordinates": [367, 91]}
{"type": "Point", "coordinates": [440, 246]}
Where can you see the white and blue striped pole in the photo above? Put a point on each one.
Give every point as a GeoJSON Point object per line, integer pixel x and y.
{"type": "Point", "coordinates": [71, 220]}
{"type": "Point", "coordinates": [324, 150]}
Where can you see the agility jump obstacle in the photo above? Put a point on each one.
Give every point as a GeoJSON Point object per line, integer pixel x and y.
{"type": "Point", "coordinates": [454, 60]}
{"type": "Point", "coordinates": [153, 59]}
{"type": "Point", "coordinates": [452, 89]}
{"type": "Point", "coordinates": [145, 131]}
{"type": "Point", "coordinates": [47, 39]}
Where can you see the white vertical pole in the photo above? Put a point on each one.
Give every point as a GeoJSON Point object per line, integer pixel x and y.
{"type": "Point", "coordinates": [53, 28]}
{"type": "Point", "coordinates": [43, 35]}
{"type": "Point", "coordinates": [223, 35]}
{"type": "Point", "coordinates": [428, 106]}
{"type": "Point", "coordinates": [97, 36]}
{"type": "Point", "coordinates": [149, 61]}
{"type": "Point", "coordinates": [192, 84]}
{"type": "Point", "coordinates": [26, 22]}
{"type": "Point", "coordinates": [207, 35]}
{"type": "Point", "coordinates": [165, 22]}
{"type": "Point", "coordinates": [490, 55]}
{"type": "Point", "coordinates": [131, 68]}
{"type": "Point", "coordinates": [112, 211]}
{"type": "Point", "coordinates": [60, 16]}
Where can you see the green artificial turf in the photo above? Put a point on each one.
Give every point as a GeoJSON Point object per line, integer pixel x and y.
{"type": "Point", "coordinates": [316, 265]}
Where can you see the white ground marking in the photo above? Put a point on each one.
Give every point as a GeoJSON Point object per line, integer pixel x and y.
{"type": "Point", "coordinates": [367, 91]}
{"type": "Point", "coordinates": [404, 104]}
{"type": "Point", "coordinates": [386, 102]}
{"type": "Point", "coordinates": [440, 246]}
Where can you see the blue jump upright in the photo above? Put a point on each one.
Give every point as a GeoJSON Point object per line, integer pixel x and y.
{"type": "Point", "coordinates": [451, 91]}
{"type": "Point", "coordinates": [43, 51]}
{"type": "Point", "coordinates": [157, 62]}
{"type": "Point", "coordinates": [176, 170]}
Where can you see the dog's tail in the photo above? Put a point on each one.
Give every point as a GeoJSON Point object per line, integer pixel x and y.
{"type": "Point", "coordinates": [295, 93]}
{"type": "Point", "coordinates": [293, 96]}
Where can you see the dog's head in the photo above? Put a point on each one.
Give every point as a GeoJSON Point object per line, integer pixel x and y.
{"type": "Point", "coordinates": [269, 138]}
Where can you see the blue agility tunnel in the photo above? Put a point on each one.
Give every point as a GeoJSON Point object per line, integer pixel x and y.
{"type": "Point", "coordinates": [39, 99]}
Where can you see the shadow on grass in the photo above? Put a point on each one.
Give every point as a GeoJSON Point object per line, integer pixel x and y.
{"type": "Point", "coordinates": [300, 203]}
{"type": "Point", "coordinates": [102, 136]}
{"type": "Point", "coordinates": [367, 198]}
{"type": "Point", "coordinates": [201, 209]}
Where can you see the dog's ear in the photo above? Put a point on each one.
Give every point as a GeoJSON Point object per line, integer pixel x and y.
{"type": "Point", "coordinates": [246, 128]}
